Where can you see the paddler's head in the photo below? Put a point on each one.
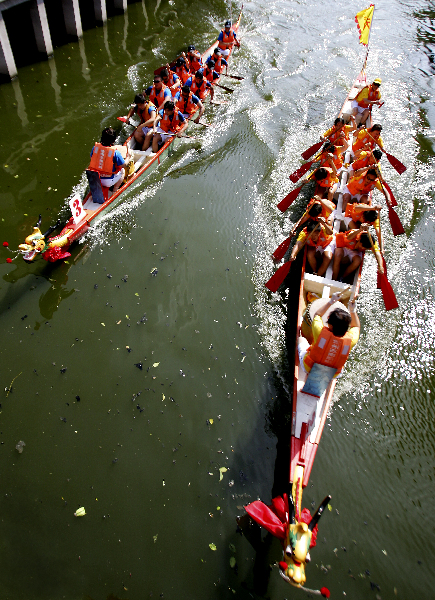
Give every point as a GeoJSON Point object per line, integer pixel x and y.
{"type": "Point", "coordinates": [227, 25]}
{"type": "Point", "coordinates": [108, 136]}
{"type": "Point", "coordinates": [370, 216]}
{"type": "Point", "coordinates": [185, 91]}
{"type": "Point", "coordinates": [217, 52]}
{"type": "Point", "coordinates": [169, 107]}
{"type": "Point", "coordinates": [377, 82]}
{"type": "Point", "coordinates": [313, 230]}
{"type": "Point", "coordinates": [158, 82]}
{"type": "Point", "coordinates": [320, 174]}
{"type": "Point", "coordinates": [164, 73]}
{"type": "Point", "coordinates": [375, 130]}
{"type": "Point", "coordinates": [211, 64]}
{"type": "Point", "coordinates": [364, 242]}
{"type": "Point", "coordinates": [140, 101]}
{"type": "Point", "coordinates": [338, 123]}
{"type": "Point", "coordinates": [377, 154]}
{"type": "Point", "coordinates": [315, 210]}
{"type": "Point", "coordinates": [199, 77]}
{"type": "Point", "coordinates": [339, 321]}
{"type": "Point", "coordinates": [191, 48]}
{"type": "Point", "coordinates": [371, 175]}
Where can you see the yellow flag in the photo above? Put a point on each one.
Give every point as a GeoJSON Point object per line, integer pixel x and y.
{"type": "Point", "coordinates": [364, 20]}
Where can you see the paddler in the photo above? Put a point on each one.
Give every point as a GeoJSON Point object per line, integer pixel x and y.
{"type": "Point", "coordinates": [199, 85]}
{"type": "Point", "coordinates": [339, 127]}
{"type": "Point", "coordinates": [109, 160]}
{"type": "Point", "coordinates": [170, 80]}
{"type": "Point", "coordinates": [367, 139]}
{"type": "Point", "coordinates": [360, 185]}
{"type": "Point", "coordinates": [364, 159]}
{"type": "Point", "coordinates": [357, 215]}
{"type": "Point", "coordinates": [209, 72]}
{"type": "Point", "coordinates": [172, 123]}
{"type": "Point", "coordinates": [181, 69]}
{"type": "Point", "coordinates": [188, 103]}
{"type": "Point", "coordinates": [219, 61]}
{"type": "Point", "coordinates": [320, 241]}
{"type": "Point", "coordinates": [349, 251]}
{"type": "Point", "coordinates": [317, 207]}
{"type": "Point", "coordinates": [365, 99]}
{"type": "Point", "coordinates": [158, 93]}
{"type": "Point", "coordinates": [147, 112]}
{"type": "Point", "coordinates": [227, 39]}
{"type": "Point", "coordinates": [333, 342]}
{"type": "Point", "coordinates": [193, 59]}
{"type": "Point", "coordinates": [334, 150]}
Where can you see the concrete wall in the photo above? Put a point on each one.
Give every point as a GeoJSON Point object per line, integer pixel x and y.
{"type": "Point", "coordinates": [39, 11]}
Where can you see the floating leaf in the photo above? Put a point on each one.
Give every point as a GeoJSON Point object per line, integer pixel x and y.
{"type": "Point", "coordinates": [103, 324]}
{"type": "Point", "coordinates": [384, 552]}
{"type": "Point", "coordinates": [136, 294]}
{"type": "Point", "coordinates": [329, 507]}
{"type": "Point", "coordinates": [218, 507]}
{"type": "Point", "coordinates": [155, 537]}
{"type": "Point", "coordinates": [210, 421]}
{"type": "Point", "coordinates": [156, 364]}
{"type": "Point", "coordinates": [80, 512]}
{"type": "Point", "coordinates": [163, 397]}
{"type": "Point", "coordinates": [222, 470]}
{"type": "Point", "coordinates": [212, 546]}
{"type": "Point", "coordinates": [232, 547]}
{"type": "Point", "coordinates": [232, 562]}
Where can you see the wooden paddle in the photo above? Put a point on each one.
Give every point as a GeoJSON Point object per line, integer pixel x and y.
{"type": "Point", "coordinates": [287, 201]}
{"type": "Point", "coordinates": [394, 162]}
{"type": "Point", "coordinates": [395, 222]}
{"type": "Point", "coordinates": [224, 87]}
{"type": "Point", "coordinates": [311, 150]}
{"type": "Point", "coordinates": [390, 300]}
{"type": "Point", "coordinates": [125, 120]}
{"type": "Point", "coordinates": [296, 175]}
{"type": "Point", "coordinates": [238, 77]}
{"type": "Point", "coordinates": [386, 186]}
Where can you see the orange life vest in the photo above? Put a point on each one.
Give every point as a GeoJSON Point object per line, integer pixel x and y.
{"type": "Point", "coordinates": [372, 95]}
{"type": "Point", "coordinates": [329, 350]}
{"type": "Point", "coordinates": [323, 240]}
{"type": "Point", "coordinates": [364, 137]}
{"type": "Point", "coordinates": [182, 73]}
{"type": "Point", "coordinates": [338, 161]}
{"type": "Point", "coordinates": [199, 90]}
{"type": "Point", "coordinates": [208, 74]}
{"type": "Point", "coordinates": [364, 160]}
{"type": "Point", "coordinates": [329, 180]}
{"type": "Point", "coordinates": [228, 38]}
{"type": "Point", "coordinates": [194, 62]}
{"type": "Point", "coordinates": [355, 215]}
{"type": "Point", "coordinates": [359, 185]}
{"type": "Point", "coordinates": [342, 240]}
{"type": "Point", "coordinates": [172, 84]}
{"type": "Point", "coordinates": [218, 66]}
{"type": "Point", "coordinates": [186, 106]}
{"type": "Point", "coordinates": [102, 159]}
{"type": "Point", "coordinates": [168, 125]}
{"type": "Point", "coordinates": [157, 97]}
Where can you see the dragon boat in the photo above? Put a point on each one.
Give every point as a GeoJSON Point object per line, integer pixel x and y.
{"type": "Point", "coordinates": [312, 394]}
{"type": "Point", "coordinates": [98, 201]}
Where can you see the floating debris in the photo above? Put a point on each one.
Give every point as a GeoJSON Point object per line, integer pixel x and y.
{"type": "Point", "coordinates": [80, 512]}
{"type": "Point", "coordinates": [212, 546]}
{"type": "Point", "coordinates": [20, 446]}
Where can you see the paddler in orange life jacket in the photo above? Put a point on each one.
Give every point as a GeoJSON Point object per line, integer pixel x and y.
{"type": "Point", "coordinates": [335, 150]}
{"type": "Point", "coordinates": [219, 61]}
{"type": "Point", "coordinates": [188, 103]}
{"type": "Point", "coordinates": [171, 123]}
{"type": "Point", "coordinates": [349, 252]}
{"type": "Point", "coordinates": [360, 185]}
{"type": "Point", "coordinates": [365, 99]}
{"type": "Point", "coordinates": [339, 128]}
{"type": "Point", "coordinates": [193, 59]}
{"type": "Point", "coordinates": [320, 244]}
{"type": "Point", "coordinates": [209, 73]}
{"type": "Point", "coordinates": [317, 208]}
{"type": "Point", "coordinates": [368, 139]}
{"type": "Point", "coordinates": [199, 85]}
{"type": "Point", "coordinates": [357, 215]}
{"type": "Point", "coordinates": [158, 93]}
{"type": "Point", "coordinates": [147, 112]}
{"type": "Point", "coordinates": [332, 342]}
{"type": "Point", "coordinates": [109, 159]}
{"type": "Point", "coordinates": [227, 39]}
{"type": "Point", "coordinates": [170, 80]}
{"type": "Point", "coordinates": [364, 159]}
{"type": "Point", "coordinates": [181, 69]}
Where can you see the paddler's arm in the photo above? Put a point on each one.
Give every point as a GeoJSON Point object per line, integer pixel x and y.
{"type": "Point", "coordinates": [300, 243]}
{"type": "Point", "coordinates": [354, 319]}
{"type": "Point", "coordinates": [332, 300]}
{"type": "Point", "coordinates": [183, 127]}
{"type": "Point", "coordinates": [326, 227]}
{"type": "Point", "coordinates": [200, 105]}
{"type": "Point", "coordinates": [151, 120]}
{"type": "Point", "coordinates": [332, 165]}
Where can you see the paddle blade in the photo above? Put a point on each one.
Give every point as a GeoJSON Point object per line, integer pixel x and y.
{"type": "Point", "coordinates": [282, 249]}
{"type": "Point", "coordinates": [310, 151]}
{"type": "Point", "coordinates": [388, 294]}
{"type": "Point", "coordinates": [392, 198]}
{"type": "Point", "coordinates": [122, 119]}
{"type": "Point", "coordinates": [395, 162]}
{"type": "Point", "coordinates": [395, 222]}
{"type": "Point", "coordinates": [277, 279]}
{"type": "Point", "coordinates": [239, 77]}
{"type": "Point", "coordinates": [285, 202]}
{"type": "Point", "coordinates": [266, 518]}
{"type": "Point", "coordinates": [294, 177]}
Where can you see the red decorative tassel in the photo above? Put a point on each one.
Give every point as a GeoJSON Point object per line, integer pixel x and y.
{"type": "Point", "coordinates": [325, 592]}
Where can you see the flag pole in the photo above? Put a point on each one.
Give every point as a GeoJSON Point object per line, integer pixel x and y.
{"type": "Point", "coordinates": [368, 41]}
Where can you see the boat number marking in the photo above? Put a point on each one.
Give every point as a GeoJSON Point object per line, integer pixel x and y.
{"type": "Point", "coordinates": [77, 209]}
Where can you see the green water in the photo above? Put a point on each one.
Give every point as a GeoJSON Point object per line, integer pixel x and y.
{"type": "Point", "coordinates": [143, 448]}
